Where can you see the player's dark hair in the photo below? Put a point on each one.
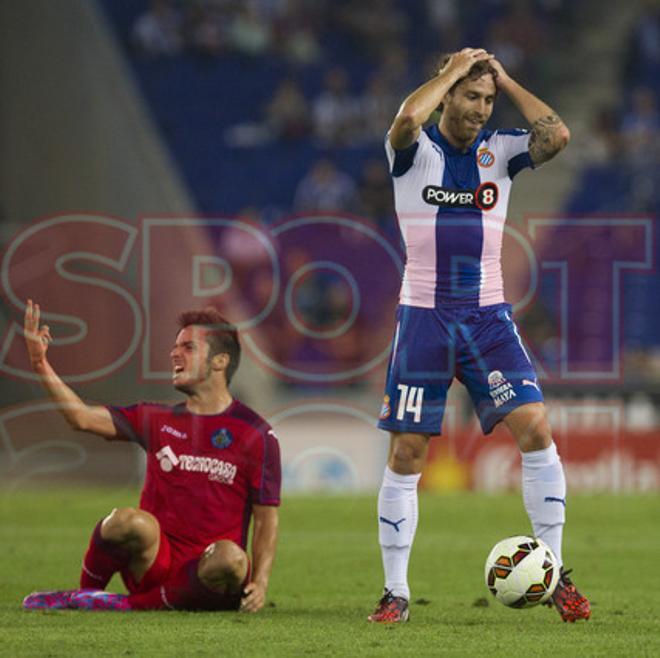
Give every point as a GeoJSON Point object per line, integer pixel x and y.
{"type": "Point", "coordinates": [478, 69]}
{"type": "Point", "coordinates": [222, 336]}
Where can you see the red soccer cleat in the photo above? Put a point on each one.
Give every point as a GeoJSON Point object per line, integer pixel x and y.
{"type": "Point", "coordinates": [390, 610]}
{"type": "Point", "coordinates": [570, 604]}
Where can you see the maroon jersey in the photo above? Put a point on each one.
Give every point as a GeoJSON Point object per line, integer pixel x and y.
{"type": "Point", "coordinates": [204, 472]}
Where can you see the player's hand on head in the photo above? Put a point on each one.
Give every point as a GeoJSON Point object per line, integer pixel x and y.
{"type": "Point", "coordinates": [461, 62]}
{"type": "Point", "coordinates": [254, 597]}
{"type": "Point", "coordinates": [37, 337]}
{"type": "Point", "coordinates": [502, 76]}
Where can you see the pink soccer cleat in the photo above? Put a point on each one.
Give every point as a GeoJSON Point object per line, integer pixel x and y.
{"type": "Point", "coordinates": [98, 599]}
{"type": "Point", "coordinates": [57, 600]}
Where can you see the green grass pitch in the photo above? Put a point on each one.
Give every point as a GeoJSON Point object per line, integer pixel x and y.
{"type": "Point", "coordinates": [327, 579]}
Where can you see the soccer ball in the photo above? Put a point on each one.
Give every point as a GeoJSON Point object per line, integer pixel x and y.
{"type": "Point", "coordinates": [521, 572]}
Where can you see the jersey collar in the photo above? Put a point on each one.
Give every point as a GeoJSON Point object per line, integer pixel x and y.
{"type": "Point", "coordinates": [180, 409]}
{"type": "Point", "coordinates": [438, 138]}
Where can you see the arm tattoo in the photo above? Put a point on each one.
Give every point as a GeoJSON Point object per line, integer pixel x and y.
{"type": "Point", "coordinates": [545, 142]}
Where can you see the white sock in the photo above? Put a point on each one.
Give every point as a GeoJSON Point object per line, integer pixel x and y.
{"type": "Point", "coordinates": [397, 522]}
{"type": "Point", "coordinates": [544, 494]}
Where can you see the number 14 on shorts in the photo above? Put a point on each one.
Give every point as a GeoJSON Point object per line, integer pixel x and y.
{"type": "Point", "coordinates": [410, 401]}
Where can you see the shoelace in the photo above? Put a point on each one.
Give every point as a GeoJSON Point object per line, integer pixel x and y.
{"type": "Point", "coordinates": [567, 584]}
{"type": "Point", "coordinates": [387, 596]}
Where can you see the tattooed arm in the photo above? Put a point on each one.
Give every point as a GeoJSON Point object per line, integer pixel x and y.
{"type": "Point", "coordinates": [549, 136]}
{"type": "Point", "coordinates": [549, 133]}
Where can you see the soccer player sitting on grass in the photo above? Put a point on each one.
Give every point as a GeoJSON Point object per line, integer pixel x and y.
{"type": "Point", "coordinates": [212, 465]}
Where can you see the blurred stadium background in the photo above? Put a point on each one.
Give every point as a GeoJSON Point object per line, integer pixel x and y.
{"type": "Point", "coordinates": [159, 156]}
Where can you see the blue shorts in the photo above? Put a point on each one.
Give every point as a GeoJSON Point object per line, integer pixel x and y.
{"type": "Point", "coordinates": [481, 347]}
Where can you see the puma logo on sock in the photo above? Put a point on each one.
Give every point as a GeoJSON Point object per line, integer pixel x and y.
{"type": "Point", "coordinates": [394, 524]}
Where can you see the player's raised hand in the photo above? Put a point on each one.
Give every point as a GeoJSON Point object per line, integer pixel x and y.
{"type": "Point", "coordinates": [36, 338]}
{"type": "Point", "coordinates": [461, 62]}
{"type": "Point", "coordinates": [254, 597]}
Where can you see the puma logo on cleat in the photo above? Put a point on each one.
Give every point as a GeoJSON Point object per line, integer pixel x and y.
{"type": "Point", "coordinates": [552, 499]}
{"type": "Point", "coordinates": [394, 524]}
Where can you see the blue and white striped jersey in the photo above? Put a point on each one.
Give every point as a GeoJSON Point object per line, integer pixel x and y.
{"type": "Point", "coordinates": [451, 208]}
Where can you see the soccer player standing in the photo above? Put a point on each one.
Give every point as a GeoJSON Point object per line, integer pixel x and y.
{"type": "Point", "coordinates": [451, 187]}
{"type": "Point", "coordinates": [212, 465]}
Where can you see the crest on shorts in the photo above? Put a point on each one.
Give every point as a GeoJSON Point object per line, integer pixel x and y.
{"type": "Point", "coordinates": [495, 378]}
{"type": "Point", "coordinates": [222, 439]}
{"type": "Point", "coordinates": [500, 389]}
{"type": "Point", "coordinates": [385, 410]}
{"type": "Point", "coordinates": [485, 158]}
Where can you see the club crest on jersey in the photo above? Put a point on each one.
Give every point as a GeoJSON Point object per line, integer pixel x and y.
{"type": "Point", "coordinates": [222, 438]}
{"type": "Point", "coordinates": [483, 197]}
{"type": "Point", "coordinates": [385, 410]}
{"type": "Point", "coordinates": [485, 158]}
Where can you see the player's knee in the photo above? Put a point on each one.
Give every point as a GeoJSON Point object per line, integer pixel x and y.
{"type": "Point", "coordinates": [403, 453]}
{"type": "Point", "coordinates": [224, 564]}
{"type": "Point", "coordinates": [128, 524]}
{"type": "Point", "coordinates": [537, 435]}
{"type": "Point", "coordinates": [538, 441]}
{"type": "Point", "coordinates": [407, 452]}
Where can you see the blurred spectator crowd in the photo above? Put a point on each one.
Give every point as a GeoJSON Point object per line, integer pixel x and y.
{"type": "Point", "coordinates": [338, 71]}
{"type": "Point", "coordinates": [624, 138]}
{"type": "Point", "coordinates": [620, 177]}
{"type": "Point", "coordinates": [299, 30]}
{"type": "Point", "coordinates": [306, 90]}
{"type": "Point", "coordinates": [396, 39]}
{"type": "Point", "coordinates": [214, 27]}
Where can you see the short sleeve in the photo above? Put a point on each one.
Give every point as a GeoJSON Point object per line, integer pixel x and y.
{"type": "Point", "coordinates": [513, 145]}
{"type": "Point", "coordinates": [266, 481]}
{"type": "Point", "coordinates": [402, 160]}
{"type": "Point", "coordinates": [131, 423]}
